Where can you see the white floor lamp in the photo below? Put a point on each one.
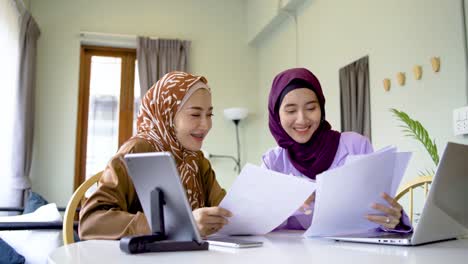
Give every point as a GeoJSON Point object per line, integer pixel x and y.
{"type": "Point", "coordinates": [235, 114]}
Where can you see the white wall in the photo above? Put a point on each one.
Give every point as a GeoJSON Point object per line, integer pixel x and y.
{"type": "Point", "coordinates": [332, 33]}
{"type": "Point", "coordinates": [396, 35]}
{"type": "Point", "coordinates": [218, 51]}
{"type": "Point", "coordinates": [263, 12]}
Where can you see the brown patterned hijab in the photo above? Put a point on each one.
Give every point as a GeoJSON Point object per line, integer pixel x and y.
{"type": "Point", "coordinates": [155, 123]}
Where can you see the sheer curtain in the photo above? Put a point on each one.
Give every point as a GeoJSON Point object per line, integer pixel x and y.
{"type": "Point", "coordinates": [25, 100]}
{"type": "Point", "coordinates": [9, 54]}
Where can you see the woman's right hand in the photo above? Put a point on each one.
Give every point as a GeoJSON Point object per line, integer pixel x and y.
{"type": "Point", "coordinates": [210, 220]}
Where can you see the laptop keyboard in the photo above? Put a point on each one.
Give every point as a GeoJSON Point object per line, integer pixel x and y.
{"type": "Point", "coordinates": [381, 235]}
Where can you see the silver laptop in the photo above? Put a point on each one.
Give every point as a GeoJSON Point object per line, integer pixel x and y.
{"type": "Point", "coordinates": [445, 212]}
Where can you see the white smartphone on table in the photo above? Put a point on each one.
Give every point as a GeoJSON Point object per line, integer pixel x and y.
{"type": "Point", "coordinates": [233, 242]}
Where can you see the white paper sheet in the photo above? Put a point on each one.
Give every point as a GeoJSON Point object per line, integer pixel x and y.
{"type": "Point", "coordinates": [261, 199]}
{"type": "Point", "coordinates": [401, 163]}
{"type": "Point", "coordinates": [345, 194]}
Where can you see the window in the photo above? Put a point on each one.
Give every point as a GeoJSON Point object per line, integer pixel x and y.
{"type": "Point", "coordinates": [108, 104]}
{"type": "Point", "coordinates": [9, 38]}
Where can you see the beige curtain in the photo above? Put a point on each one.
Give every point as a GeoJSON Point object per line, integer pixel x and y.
{"type": "Point", "coordinates": [355, 97]}
{"type": "Point", "coordinates": [157, 57]}
{"type": "Point", "coordinates": [24, 105]}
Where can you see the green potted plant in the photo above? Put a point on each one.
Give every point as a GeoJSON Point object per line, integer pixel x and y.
{"type": "Point", "coordinates": [413, 128]}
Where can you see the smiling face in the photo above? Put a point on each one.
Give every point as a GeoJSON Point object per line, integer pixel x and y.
{"type": "Point", "coordinates": [193, 121]}
{"type": "Point", "coordinates": [300, 114]}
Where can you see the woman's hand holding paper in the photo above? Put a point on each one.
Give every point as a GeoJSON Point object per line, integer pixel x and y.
{"type": "Point", "coordinates": [210, 220]}
{"type": "Point", "coordinates": [392, 213]}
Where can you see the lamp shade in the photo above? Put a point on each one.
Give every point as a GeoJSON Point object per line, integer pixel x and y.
{"type": "Point", "coordinates": [236, 113]}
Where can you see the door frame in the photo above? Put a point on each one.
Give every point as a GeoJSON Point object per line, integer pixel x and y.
{"type": "Point", "coordinates": [128, 57]}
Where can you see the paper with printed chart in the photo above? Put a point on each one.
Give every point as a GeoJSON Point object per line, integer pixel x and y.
{"type": "Point", "coordinates": [261, 199]}
{"type": "Point", "coordinates": [345, 194]}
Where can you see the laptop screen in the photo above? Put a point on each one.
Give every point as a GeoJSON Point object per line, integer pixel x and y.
{"type": "Point", "coordinates": [454, 183]}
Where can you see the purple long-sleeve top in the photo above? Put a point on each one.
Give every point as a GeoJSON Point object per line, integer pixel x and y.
{"type": "Point", "coordinates": [351, 143]}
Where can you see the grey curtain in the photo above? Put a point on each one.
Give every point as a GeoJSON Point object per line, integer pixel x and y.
{"type": "Point", "coordinates": [157, 57]}
{"type": "Point", "coordinates": [355, 97]}
{"type": "Point", "coordinates": [24, 112]}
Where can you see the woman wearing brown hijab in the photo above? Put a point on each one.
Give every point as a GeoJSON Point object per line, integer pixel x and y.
{"type": "Point", "coordinates": [175, 116]}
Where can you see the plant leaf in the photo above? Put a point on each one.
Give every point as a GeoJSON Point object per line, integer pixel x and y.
{"type": "Point", "coordinates": [413, 128]}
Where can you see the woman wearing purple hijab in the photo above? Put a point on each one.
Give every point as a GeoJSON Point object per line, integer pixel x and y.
{"type": "Point", "coordinates": [307, 145]}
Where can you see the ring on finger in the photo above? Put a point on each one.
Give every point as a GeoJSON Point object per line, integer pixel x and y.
{"type": "Point", "coordinates": [387, 221]}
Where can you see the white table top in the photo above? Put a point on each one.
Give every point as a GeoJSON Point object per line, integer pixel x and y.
{"type": "Point", "coordinates": [279, 247]}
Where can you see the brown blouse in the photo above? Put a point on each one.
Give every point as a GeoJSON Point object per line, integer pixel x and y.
{"type": "Point", "coordinates": [114, 211]}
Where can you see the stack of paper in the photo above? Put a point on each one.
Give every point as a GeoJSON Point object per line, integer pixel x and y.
{"type": "Point", "coordinates": [261, 199]}
{"type": "Point", "coordinates": [345, 195]}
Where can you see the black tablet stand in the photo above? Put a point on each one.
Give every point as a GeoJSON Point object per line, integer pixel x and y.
{"type": "Point", "coordinates": [157, 242]}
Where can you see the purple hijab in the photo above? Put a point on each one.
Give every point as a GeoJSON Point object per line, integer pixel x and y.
{"type": "Point", "coordinates": [316, 155]}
